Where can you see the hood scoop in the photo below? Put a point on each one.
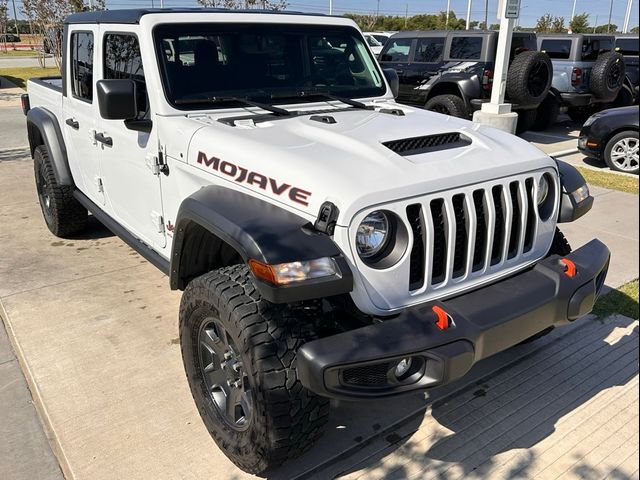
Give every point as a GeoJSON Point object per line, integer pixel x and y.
{"type": "Point", "coordinates": [428, 143]}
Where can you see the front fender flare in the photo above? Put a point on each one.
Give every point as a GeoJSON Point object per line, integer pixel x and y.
{"type": "Point", "coordinates": [43, 128]}
{"type": "Point", "coordinates": [570, 180]}
{"type": "Point", "coordinates": [260, 231]}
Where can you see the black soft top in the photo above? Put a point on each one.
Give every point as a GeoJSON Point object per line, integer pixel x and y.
{"type": "Point", "coordinates": [133, 16]}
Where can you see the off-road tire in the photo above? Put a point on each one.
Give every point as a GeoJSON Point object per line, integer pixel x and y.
{"type": "Point", "coordinates": [63, 214]}
{"type": "Point", "coordinates": [581, 114]}
{"type": "Point", "coordinates": [630, 136]}
{"type": "Point", "coordinates": [547, 113]}
{"type": "Point", "coordinates": [529, 78]}
{"type": "Point", "coordinates": [526, 118]}
{"type": "Point", "coordinates": [448, 105]}
{"type": "Point", "coordinates": [625, 98]}
{"type": "Point", "coordinates": [559, 246]}
{"type": "Point", "coordinates": [607, 76]}
{"type": "Point", "coordinates": [287, 418]}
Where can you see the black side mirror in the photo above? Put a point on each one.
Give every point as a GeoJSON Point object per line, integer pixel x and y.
{"type": "Point", "coordinates": [117, 99]}
{"type": "Point", "coordinates": [394, 82]}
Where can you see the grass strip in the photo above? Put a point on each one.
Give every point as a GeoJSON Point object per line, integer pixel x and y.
{"type": "Point", "coordinates": [623, 301]}
{"type": "Point", "coordinates": [612, 181]}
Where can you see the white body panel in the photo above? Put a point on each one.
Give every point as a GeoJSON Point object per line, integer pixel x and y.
{"type": "Point", "coordinates": [345, 163]}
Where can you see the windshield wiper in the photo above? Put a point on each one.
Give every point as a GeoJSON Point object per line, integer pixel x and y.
{"type": "Point", "coordinates": [329, 96]}
{"type": "Point", "coordinates": [264, 106]}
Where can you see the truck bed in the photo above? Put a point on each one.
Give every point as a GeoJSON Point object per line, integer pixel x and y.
{"type": "Point", "coordinates": [46, 92]}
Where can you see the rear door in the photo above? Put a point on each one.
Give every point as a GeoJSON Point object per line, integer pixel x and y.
{"type": "Point", "coordinates": [426, 59]}
{"type": "Point", "coordinates": [131, 186]}
{"type": "Point", "coordinates": [80, 111]}
{"type": "Point", "coordinates": [397, 54]}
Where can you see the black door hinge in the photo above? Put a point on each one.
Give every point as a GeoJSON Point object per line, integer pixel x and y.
{"type": "Point", "coordinates": [327, 217]}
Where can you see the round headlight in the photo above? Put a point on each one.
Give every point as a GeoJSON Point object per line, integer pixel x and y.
{"type": "Point", "coordinates": [372, 234]}
{"type": "Point", "coordinates": [543, 189]}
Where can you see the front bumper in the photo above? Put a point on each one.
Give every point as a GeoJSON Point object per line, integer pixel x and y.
{"type": "Point", "coordinates": [361, 363]}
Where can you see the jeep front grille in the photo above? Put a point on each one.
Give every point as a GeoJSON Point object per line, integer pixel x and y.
{"type": "Point", "coordinates": [457, 235]}
{"type": "Point", "coordinates": [462, 238]}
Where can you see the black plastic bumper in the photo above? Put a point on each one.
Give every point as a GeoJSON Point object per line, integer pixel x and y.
{"type": "Point", "coordinates": [578, 99]}
{"type": "Point", "coordinates": [362, 363]}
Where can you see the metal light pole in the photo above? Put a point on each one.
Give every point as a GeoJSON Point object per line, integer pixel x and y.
{"type": "Point", "coordinates": [330, 7]}
{"type": "Point", "coordinates": [627, 16]}
{"type": "Point", "coordinates": [468, 15]}
{"type": "Point", "coordinates": [573, 11]}
{"type": "Point", "coordinates": [486, 14]}
{"type": "Point", "coordinates": [610, 12]}
{"type": "Point", "coordinates": [446, 27]}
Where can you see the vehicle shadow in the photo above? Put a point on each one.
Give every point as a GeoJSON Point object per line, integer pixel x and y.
{"type": "Point", "coordinates": [11, 154]}
{"type": "Point", "coordinates": [94, 231]}
{"type": "Point", "coordinates": [510, 409]}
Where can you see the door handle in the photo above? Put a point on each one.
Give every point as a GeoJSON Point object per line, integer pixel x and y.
{"type": "Point", "coordinates": [72, 123]}
{"type": "Point", "coordinates": [104, 140]}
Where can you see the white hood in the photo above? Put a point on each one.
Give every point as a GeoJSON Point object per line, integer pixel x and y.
{"type": "Point", "coordinates": [346, 162]}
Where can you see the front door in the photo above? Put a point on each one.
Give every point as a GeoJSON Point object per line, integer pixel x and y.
{"type": "Point", "coordinates": [131, 187]}
{"type": "Point", "coordinates": [80, 112]}
{"type": "Point", "coordinates": [396, 55]}
{"type": "Point", "coordinates": [426, 60]}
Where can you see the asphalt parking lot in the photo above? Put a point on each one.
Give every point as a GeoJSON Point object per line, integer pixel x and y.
{"type": "Point", "coordinates": [93, 327]}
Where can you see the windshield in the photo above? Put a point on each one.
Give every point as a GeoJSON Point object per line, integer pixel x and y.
{"type": "Point", "coordinates": [371, 40]}
{"type": "Point", "coordinates": [273, 63]}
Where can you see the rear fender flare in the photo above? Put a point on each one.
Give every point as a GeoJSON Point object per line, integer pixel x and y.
{"type": "Point", "coordinates": [43, 128]}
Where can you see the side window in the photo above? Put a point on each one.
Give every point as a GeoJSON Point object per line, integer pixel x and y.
{"type": "Point", "coordinates": [593, 47]}
{"type": "Point", "coordinates": [122, 60]}
{"type": "Point", "coordinates": [429, 50]}
{"type": "Point", "coordinates": [466, 48]}
{"type": "Point", "coordinates": [560, 49]}
{"type": "Point", "coordinates": [397, 50]}
{"type": "Point", "coordinates": [628, 46]}
{"type": "Point", "coordinates": [82, 65]}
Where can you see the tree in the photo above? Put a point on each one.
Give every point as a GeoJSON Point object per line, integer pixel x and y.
{"type": "Point", "coordinates": [544, 23]}
{"type": "Point", "coordinates": [580, 23]}
{"type": "Point", "coordinates": [236, 4]}
{"type": "Point", "coordinates": [635, 29]}
{"type": "Point", "coordinates": [557, 25]}
{"type": "Point", "coordinates": [607, 28]}
{"type": "Point", "coordinates": [3, 22]}
{"type": "Point", "coordinates": [85, 6]}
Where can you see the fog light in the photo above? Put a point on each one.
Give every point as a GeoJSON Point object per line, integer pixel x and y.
{"type": "Point", "coordinates": [403, 367]}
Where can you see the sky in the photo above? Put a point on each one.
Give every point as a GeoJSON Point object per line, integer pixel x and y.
{"type": "Point", "coordinates": [530, 12]}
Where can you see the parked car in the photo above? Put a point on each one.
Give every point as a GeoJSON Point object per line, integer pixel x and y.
{"type": "Point", "coordinates": [330, 243]}
{"type": "Point", "coordinates": [9, 38]}
{"type": "Point", "coordinates": [452, 72]}
{"type": "Point", "coordinates": [374, 43]}
{"type": "Point", "coordinates": [628, 46]}
{"type": "Point", "coordinates": [587, 75]}
{"type": "Point", "coordinates": [382, 37]}
{"type": "Point", "coordinates": [612, 136]}
{"type": "Point", "coordinates": [415, 56]}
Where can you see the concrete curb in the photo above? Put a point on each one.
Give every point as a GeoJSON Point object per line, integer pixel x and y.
{"type": "Point", "coordinates": [38, 403]}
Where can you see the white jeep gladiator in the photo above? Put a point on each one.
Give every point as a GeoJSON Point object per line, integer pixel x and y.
{"type": "Point", "coordinates": [330, 243]}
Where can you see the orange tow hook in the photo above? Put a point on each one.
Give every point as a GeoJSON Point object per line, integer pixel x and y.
{"type": "Point", "coordinates": [570, 268]}
{"type": "Point", "coordinates": [442, 321]}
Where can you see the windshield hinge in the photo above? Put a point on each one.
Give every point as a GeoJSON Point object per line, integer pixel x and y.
{"type": "Point", "coordinates": [327, 218]}
{"type": "Point", "coordinates": [156, 164]}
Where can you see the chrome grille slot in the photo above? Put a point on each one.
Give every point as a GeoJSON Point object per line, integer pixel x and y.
{"type": "Point", "coordinates": [470, 233]}
{"type": "Point", "coordinates": [531, 218]}
{"type": "Point", "coordinates": [416, 272]}
{"type": "Point", "coordinates": [439, 259]}
{"type": "Point", "coordinates": [481, 230]}
{"type": "Point", "coordinates": [499, 228]}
